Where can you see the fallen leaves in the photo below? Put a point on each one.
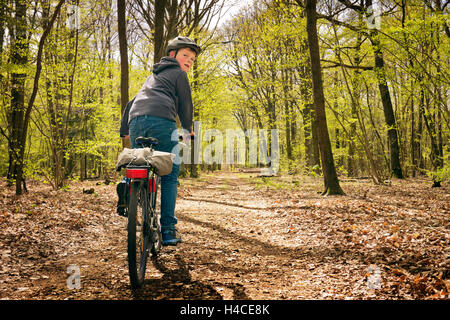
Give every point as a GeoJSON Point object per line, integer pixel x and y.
{"type": "Point", "coordinates": [388, 226]}
{"type": "Point", "coordinates": [377, 242]}
{"type": "Point", "coordinates": [424, 286]}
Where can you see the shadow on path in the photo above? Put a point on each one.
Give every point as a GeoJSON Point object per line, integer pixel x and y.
{"type": "Point", "coordinates": [262, 248]}
{"type": "Point", "coordinates": [177, 283]}
{"type": "Point", "coordinates": [271, 208]}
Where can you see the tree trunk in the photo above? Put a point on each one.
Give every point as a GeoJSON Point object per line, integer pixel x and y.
{"type": "Point", "coordinates": [419, 157]}
{"type": "Point", "coordinates": [160, 7]}
{"type": "Point", "coordinates": [307, 110]}
{"type": "Point", "coordinates": [352, 167]}
{"type": "Point", "coordinates": [438, 113]}
{"type": "Point", "coordinates": [329, 171]}
{"type": "Point", "coordinates": [288, 114]}
{"type": "Point", "coordinates": [172, 20]}
{"type": "Point", "coordinates": [20, 115]}
{"type": "Point", "coordinates": [431, 128]}
{"type": "Point", "coordinates": [389, 116]}
{"type": "Point", "coordinates": [2, 25]}
{"type": "Point", "coordinates": [307, 129]}
{"type": "Point", "coordinates": [122, 30]}
{"type": "Point", "coordinates": [411, 83]}
{"type": "Point", "coordinates": [19, 58]}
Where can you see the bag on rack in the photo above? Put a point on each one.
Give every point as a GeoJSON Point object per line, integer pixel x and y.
{"type": "Point", "coordinates": [161, 161]}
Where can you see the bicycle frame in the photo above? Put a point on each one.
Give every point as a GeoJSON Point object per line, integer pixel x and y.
{"type": "Point", "coordinates": [144, 173]}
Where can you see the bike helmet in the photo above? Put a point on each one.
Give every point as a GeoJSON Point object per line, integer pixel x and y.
{"type": "Point", "coordinates": [182, 42]}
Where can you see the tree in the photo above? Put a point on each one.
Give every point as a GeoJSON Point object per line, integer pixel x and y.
{"type": "Point", "coordinates": [20, 113]}
{"type": "Point", "coordinates": [160, 9]}
{"type": "Point", "coordinates": [60, 65]}
{"type": "Point", "coordinates": [386, 100]}
{"type": "Point", "coordinates": [373, 35]}
{"type": "Point", "coordinates": [121, 19]}
{"type": "Point", "coordinates": [2, 24]}
{"type": "Point", "coordinates": [19, 59]}
{"type": "Point", "coordinates": [332, 186]}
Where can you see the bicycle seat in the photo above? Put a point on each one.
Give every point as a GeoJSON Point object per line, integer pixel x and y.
{"type": "Point", "coordinates": [146, 141]}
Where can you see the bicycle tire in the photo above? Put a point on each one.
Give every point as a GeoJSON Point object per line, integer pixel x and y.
{"type": "Point", "coordinates": [137, 234]}
{"type": "Point", "coordinates": [156, 240]}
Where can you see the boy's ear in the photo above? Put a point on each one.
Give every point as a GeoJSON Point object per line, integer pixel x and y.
{"type": "Point", "coordinates": [172, 53]}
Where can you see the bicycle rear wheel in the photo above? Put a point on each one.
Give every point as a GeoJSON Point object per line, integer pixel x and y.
{"type": "Point", "coordinates": [138, 233]}
{"type": "Point", "coordinates": [155, 226]}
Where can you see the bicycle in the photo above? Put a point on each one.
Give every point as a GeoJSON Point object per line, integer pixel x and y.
{"type": "Point", "coordinates": [144, 229]}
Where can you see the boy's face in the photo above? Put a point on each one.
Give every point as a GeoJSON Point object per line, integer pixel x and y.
{"type": "Point", "coordinates": [185, 58]}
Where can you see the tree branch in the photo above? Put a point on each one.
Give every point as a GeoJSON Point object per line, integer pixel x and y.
{"type": "Point", "coordinates": [38, 69]}
{"type": "Point", "coordinates": [353, 6]}
{"type": "Point", "coordinates": [338, 64]}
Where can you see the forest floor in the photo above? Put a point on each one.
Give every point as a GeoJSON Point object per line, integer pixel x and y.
{"type": "Point", "coordinates": [244, 237]}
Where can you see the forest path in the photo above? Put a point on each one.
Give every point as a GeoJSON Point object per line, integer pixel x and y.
{"type": "Point", "coordinates": [244, 237]}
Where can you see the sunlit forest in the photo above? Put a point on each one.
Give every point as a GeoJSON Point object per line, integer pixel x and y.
{"type": "Point", "coordinates": [384, 69]}
{"type": "Point", "coordinates": [319, 168]}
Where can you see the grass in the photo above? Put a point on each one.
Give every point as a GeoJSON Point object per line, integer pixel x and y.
{"type": "Point", "coordinates": [277, 183]}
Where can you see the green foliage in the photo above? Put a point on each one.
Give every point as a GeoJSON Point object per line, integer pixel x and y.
{"type": "Point", "coordinates": [443, 174]}
{"type": "Point", "coordinates": [253, 74]}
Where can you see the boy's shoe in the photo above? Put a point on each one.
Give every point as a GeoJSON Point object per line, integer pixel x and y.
{"type": "Point", "coordinates": [170, 237]}
{"type": "Point", "coordinates": [122, 194]}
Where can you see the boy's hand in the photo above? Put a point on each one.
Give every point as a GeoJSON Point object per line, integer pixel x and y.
{"type": "Point", "coordinates": [126, 143]}
{"type": "Point", "coordinates": [187, 137]}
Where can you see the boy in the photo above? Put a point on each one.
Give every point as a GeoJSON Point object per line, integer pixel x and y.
{"type": "Point", "coordinates": [165, 95]}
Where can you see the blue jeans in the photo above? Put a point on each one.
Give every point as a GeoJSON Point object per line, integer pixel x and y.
{"type": "Point", "coordinates": [160, 128]}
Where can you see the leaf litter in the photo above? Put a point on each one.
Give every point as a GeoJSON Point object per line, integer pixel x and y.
{"type": "Point", "coordinates": [244, 237]}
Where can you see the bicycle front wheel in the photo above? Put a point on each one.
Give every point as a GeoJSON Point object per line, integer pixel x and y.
{"type": "Point", "coordinates": [138, 235]}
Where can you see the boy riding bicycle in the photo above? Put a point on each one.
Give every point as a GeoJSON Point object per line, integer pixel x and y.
{"type": "Point", "coordinates": [165, 95]}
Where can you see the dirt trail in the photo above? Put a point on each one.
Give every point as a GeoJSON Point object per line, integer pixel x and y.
{"type": "Point", "coordinates": [244, 237]}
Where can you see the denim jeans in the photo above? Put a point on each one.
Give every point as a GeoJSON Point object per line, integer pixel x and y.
{"type": "Point", "coordinates": [160, 128]}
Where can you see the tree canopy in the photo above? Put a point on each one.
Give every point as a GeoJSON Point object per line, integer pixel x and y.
{"type": "Point", "coordinates": [383, 67]}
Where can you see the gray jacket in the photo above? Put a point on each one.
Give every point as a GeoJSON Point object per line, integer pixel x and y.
{"type": "Point", "coordinates": [165, 94]}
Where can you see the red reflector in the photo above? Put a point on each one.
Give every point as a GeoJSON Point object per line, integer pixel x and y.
{"type": "Point", "coordinates": [137, 173]}
{"type": "Point", "coordinates": [151, 185]}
